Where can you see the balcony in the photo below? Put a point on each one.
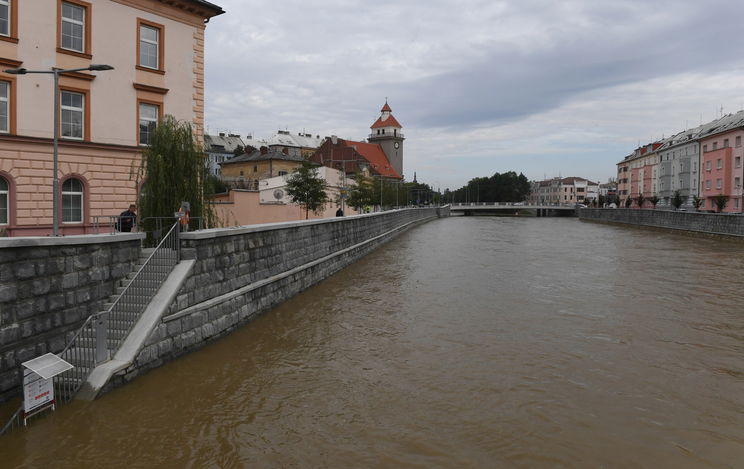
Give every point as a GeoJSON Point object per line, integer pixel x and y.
{"type": "Point", "coordinates": [374, 136]}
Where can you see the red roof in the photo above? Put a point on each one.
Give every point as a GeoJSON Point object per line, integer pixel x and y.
{"type": "Point", "coordinates": [378, 162]}
{"type": "Point", "coordinates": [386, 108]}
{"type": "Point", "coordinates": [389, 122]}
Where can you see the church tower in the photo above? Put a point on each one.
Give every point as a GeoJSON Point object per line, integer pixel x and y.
{"type": "Point", "coordinates": [386, 132]}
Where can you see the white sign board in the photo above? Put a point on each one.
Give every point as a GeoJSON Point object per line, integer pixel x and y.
{"type": "Point", "coordinates": [37, 391]}
{"type": "Point", "coordinates": [38, 380]}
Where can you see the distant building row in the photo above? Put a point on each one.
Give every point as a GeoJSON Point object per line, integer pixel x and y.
{"type": "Point", "coordinates": [568, 191]}
{"type": "Point", "coordinates": [702, 162]}
{"type": "Point", "coordinates": [381, 155]}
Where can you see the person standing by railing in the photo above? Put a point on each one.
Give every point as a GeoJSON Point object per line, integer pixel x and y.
{"type": "Point", "coordinates": [127, 219]}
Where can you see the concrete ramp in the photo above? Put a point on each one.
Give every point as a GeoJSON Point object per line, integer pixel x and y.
{"type": "Point", "coordinates": [135, 341]}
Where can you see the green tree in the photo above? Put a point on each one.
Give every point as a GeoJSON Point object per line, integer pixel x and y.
{"type": "Point", "coordinates": [654, 200]}
{"type": "Point", "coordinates": [362, 194]}
{"type": "Point", "coordinates": [677, 200]}
{"type": "Point", "coordinates": [640, 200]}
{"type": "Point", "coordinates": [307, 189]}
{"type": "Point", "coordinates": [721, 202]}
{"type": "Point", "coordinates": [697, 202]}
{"type": "Point", "coordinates": [173, 169]}
{"type": "Point", "coordinates": [628, 202]}
{"type": "Point", "coordinates": [214, 185]}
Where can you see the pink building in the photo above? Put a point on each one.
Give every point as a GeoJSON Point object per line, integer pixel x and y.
{"type": "Point", "coordinates": [157, 51]}
{"type": "Point", "coordinates": [637, 173]}
{"type": "Point", "coordinates": [721, 169]}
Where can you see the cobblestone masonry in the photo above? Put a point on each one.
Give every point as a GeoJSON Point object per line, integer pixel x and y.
{"type": "Point", "coordinates": [707, 223]}
{"type": "Point", "coordinates": [243, 272]}
{"type": "Point", "coordinates": [48, 287]}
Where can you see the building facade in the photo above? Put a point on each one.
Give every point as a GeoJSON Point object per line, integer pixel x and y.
{"type": "Point", "coordinates": [220, 148]}
{"type": "Point", "coordinates": [679, 157]}
{"type": "Point", "coordinates": [246, 170]}
{"type": "Point", "coordinates": [156, 50]}
{"type": "Point", "coordinates": [564, 191]}
{"type": "Point", "coordinates": [721, 169]}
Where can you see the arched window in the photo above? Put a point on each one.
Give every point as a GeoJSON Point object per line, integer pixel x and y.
{"type": "Point", "coordinates": [4, 201]}
{"type": "Point", "coordinates": [72, 201]}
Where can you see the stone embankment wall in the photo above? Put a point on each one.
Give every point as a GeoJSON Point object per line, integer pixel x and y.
{"type": "Point", "coordinates": [240, 273]}
{"type": "Point", "coordinates": [48, 287]}
{"type": "Point", "coordinates": [707, 223]}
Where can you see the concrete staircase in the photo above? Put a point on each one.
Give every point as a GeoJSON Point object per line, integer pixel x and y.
{"type": "Point", "coordinates": [81, 354]}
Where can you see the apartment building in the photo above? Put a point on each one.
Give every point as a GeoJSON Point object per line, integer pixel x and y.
{"type": "Point", "coordinates": [563, 191]}
{"type": "Point", "coordinates": [156, 49]}
{"type": "Point", "coordinates": [721, 164]}
{"type": "Point", "coordinates": [637, 173]}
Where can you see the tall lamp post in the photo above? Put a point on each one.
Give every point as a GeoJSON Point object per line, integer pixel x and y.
{"type": "Point", "coordinates": [56, 72]}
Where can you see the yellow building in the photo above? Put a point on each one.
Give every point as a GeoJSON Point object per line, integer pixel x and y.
{"type": "Point", "coordinates": [246, 170]}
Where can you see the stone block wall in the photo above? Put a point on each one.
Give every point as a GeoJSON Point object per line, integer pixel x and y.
{"type": "Point", "coordinates": [48, 287]}
{"type": "Point", "coordinates": [243, 272]}
{"type": "Point", "coordinates": [708, 223]}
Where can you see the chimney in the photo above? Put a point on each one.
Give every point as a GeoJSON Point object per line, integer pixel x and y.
{"type": "Point", "coordinates": [222, 134]}
{"type": "Point", "coordinates": [334, 139]}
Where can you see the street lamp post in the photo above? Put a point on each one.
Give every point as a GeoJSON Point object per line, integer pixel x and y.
{"type": "Point", "coordinates": [55, 179]}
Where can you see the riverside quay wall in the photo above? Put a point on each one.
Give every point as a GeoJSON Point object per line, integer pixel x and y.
{"type": "Point", "coordinates": [238, 273]}
{"type": "Point", "coordinates": [721, 224]}
{"type": "Point", "coordinates": [48, 287]}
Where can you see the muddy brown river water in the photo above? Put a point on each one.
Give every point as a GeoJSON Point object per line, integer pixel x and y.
{"type": "Point", "coordinates": [476, 342]}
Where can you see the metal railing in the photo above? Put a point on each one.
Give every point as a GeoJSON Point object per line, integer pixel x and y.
{"type": "Point", "coordinates": [152, 225]}
{"type": "Point", "coordinates": [107, 223]}
{"type": "Point", "coordinates": [101, 334]}
{"type": "Point", "coordinates": [15, 421]}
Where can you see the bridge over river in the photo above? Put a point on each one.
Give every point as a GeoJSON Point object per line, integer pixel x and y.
{"type": "Point", "coordinates": [513, 208]}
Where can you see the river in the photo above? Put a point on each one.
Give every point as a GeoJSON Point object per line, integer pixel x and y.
{"type": "Point", "coordinates": [467, 342]}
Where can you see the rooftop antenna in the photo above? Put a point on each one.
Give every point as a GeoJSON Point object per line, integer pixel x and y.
{"type": "Point", "coordinates": [721, 110]}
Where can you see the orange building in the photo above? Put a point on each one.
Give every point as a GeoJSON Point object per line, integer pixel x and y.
{"type": "Point", "coordinates": [105, 116]}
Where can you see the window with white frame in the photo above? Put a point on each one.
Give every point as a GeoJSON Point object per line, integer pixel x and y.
{"type": "Point", "coordinates": [149, 47]}
{"type": "Point", "coordinates": [719, 163]}
{"type": "Point", "coordinates": [72, 114]}
{"type": "Point", "coordinates": [72, 201]}
{"type": "Point", "coordinates": [148, 120]}
{"type": "Point", "coordinates": [4, 107]}
{"type": "Point", "coordinates": [73, 27]}
{"type": "Point", "coordinates": [707, 165]}
{"type": "Point", "coordinates": [737, 161]}
{"type": "Point", "coordinates": [718, 183]}
{"type": "Point", "coordinates": [738, 141]}
{"type": "Point", "coordinates": [5, 17]}
{"type": "Point", "coordinates": [737, 182]}
{"type": "Point", "coordinates": [4, 201]}
{"type": "Point", "coordinates": [707, 184]}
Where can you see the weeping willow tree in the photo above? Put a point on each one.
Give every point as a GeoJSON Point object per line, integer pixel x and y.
{"type": "Point", "coordinates": [173, 169]}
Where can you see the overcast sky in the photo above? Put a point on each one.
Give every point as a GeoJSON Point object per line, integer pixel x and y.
{"type": "Point", "coordinates": [547, 88]}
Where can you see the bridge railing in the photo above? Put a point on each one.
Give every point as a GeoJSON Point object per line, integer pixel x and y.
{"type": "Point", "coordinates": [509, 204]}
